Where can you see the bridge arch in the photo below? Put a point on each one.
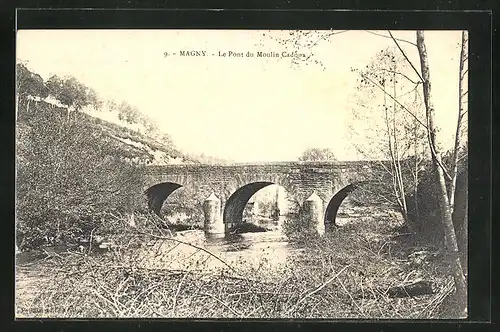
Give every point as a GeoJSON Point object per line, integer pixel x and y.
{"type": "Point", "coordinates": [235, 204]}
{"type": "Point", "coordinates": [158, 193]}
{"type": "Point", "coordinates": [334, 204]}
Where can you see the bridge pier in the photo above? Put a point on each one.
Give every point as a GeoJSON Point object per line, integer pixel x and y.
{"type": "Point", "coordinates": [213, 224]}
{"type": "Point", "coordinates": [313, 209]}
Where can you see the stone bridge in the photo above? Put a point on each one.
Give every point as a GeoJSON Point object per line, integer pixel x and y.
{"type": "Point", "coordinates": [233, 185]}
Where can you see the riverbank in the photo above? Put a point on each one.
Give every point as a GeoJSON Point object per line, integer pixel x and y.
{"type": "Point", "coordinates": [348, 273]}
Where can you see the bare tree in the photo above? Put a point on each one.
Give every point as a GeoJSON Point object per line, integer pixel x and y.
{"type": "Point", "coordinates": [390, 110]}
{"type": "Point", "coordinates": [444, 181]}
{"type": "Point", "coordinates": [462, 112]}
{"type": "Point", "coordinates": [445, 195]}
{"type": "Point", "coordinates": [442, 176]}
{"type": "Point", "coordinates": [444, 202]}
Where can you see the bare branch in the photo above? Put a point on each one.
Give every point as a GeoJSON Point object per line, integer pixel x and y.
{"type": "Point", "coordinates": [404, 54]}
{"type": "Point", "coordinates": [221, 302]}
{"type": "Point", "coordinates": [390, 96]}
{"type": "Point", "coordinates": [188, 244]}
{"type": "Point", "coordinates": [456, 147]}
{"type": "Point", "coordinates": [434, 153]}
{"type": "Point", "coordinates": [399, 73]}
{"type": "Point", "coordinates": [326, 36]}
{"type": "Point", "coordinates": [461, 158]}
{"type": "Point", "coordinates": [174, 300]}
{"type": "Point", "coordinates": [412, 90]}
{"type": "Point", "coordinates": [378, 195]}
{"type": "Point", "coordinates": [317, 289]}
{"type": "Point", "coordinates": [385, 36]}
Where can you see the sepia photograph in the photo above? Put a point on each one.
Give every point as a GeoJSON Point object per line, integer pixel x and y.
{"type": "Point", "coordinates": [241, 174]}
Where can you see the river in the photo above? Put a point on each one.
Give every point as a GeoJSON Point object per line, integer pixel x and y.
{"type": "Point", "coordinates": [268, 250]}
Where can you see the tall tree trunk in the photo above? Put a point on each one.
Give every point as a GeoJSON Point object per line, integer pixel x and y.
{"type": "Point", "coordinates": [392, 156]}
{"type": "Point", "coordinates": [444, 204]}
{"type": "Point", "coordinates": [399, 173]}
{"type": "Point", "coordinates": [415, 175]}
{"type": "Point", "coordinates": [461, 93]}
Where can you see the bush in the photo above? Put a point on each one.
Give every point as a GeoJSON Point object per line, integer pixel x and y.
{"type": "Point", "coordinates": [297, 228]}
{"type": "Point", "coordinates": [68, 179]}
{"type": "Point", "coordinates": [179, 214]}
{"type": "Point", "coordinates": [423, 211]}
{"type": "Point", "coordinates": [184, 206]}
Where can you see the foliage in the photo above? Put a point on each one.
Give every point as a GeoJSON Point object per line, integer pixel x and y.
{"type": "Point", "coordinates": [132, 115]}
{"type": "Point", "coordinates": [297, 227]}
{"type": "Point", "coordinates": [72, 171]}
{"type": "Point", "coordinates": [206, 159]}
{"type": "Point", "coordinates": [68, 180]}
{"type": "Point", "coordinates": [372, 193]}
{"type": "Point", "coordinates": [29, 83]}
{"type": "Point", "coordinates": [423, 205]}
{"type": "Point", "coordinates": [265, 206]}
{"type": "Point", "coordinates": [71, 92]}
{"type": "Point", "coordinates": [165, 145]}
{"type": "Point", "coordinates": [316, 154]}
{"type": "Point", "coordinates": [183, 214]}
{"type": "Point", "coordinates": [128, 113]}
{"type": "Point", "coordinates": [75, 96]}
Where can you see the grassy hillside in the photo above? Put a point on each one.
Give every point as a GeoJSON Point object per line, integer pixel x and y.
{"type": "Point", "coordinates": [75, 171]}
{"type": "Point", "coordinates": [127, 143]}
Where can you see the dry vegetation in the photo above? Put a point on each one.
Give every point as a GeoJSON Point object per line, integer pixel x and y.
{"type": "Point", "coordinates": [348, 273]}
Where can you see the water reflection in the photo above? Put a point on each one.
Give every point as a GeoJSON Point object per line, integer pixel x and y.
{"type": "Point", "coordinates": [227, 242]}
{"type": "Point", "coordinates": [249, 240]}
{"type": "Point", "coordinates": [252, 249]}
{"type": "Point", "coordinates": [268, 250]}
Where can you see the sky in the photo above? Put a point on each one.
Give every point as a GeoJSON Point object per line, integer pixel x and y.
{"type": "Point", "coordinates": [244, 109]}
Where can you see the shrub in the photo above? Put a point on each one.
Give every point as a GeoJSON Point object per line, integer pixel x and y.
{"type": "Point", "coordinates": [68, 179]}
{"type": "Point", "coordinates": [297, 228]}
{"type": "Point", "coordinates": [180, 214]}
{"type": "Point", "coordinates": [184, 206]}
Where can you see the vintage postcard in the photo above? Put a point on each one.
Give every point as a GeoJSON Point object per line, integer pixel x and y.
{"type": "Point", "coordinates": [263, 174]}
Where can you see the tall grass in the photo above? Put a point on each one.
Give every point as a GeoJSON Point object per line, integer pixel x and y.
{"type": "Point", "coordinates": [345, 274]}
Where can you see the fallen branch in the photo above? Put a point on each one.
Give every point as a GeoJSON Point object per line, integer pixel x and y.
{"type": "Point", "coordinates": [188, 244]}
{"type": "Point", "coordinates": [237, 276]}
{"type": "Point", "coordinates": [321, 286]}
{"type": "Point", "coordinates": [352, 299]}
{"type": "Point", "coordinates": [417, 288]}
{"type": "Point", "coordinates": [222, 302]}
{"type": "Point", "coordinates": [174, 300]}
{"type": "Point", "coordinates": [446, 291]}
